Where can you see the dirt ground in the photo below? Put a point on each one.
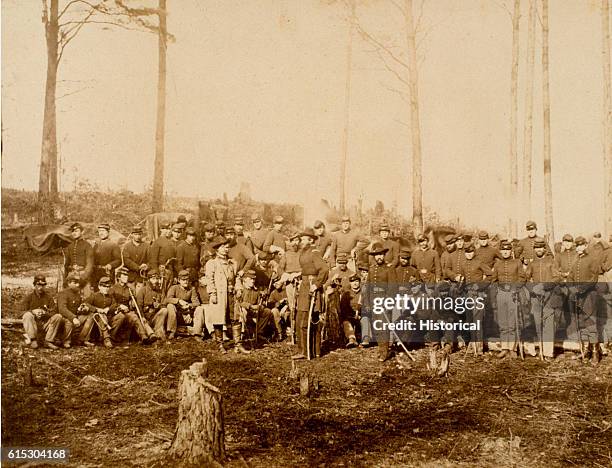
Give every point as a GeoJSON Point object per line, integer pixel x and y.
{"type": "Point", "coordinates": [117, 407]}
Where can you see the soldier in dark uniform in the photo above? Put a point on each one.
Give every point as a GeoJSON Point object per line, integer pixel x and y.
{"type": "Point", "coordinates": [258, 236]}
{"type": "Point", "coordinates": [382, 281]}
{"type": "Point", "coordinates": [339, 275]}
{"type": "Point", "coordinates": [239, 252]}
{"type": "Point", "coordinates": [103, 315]}
{"type": "Point", "coordinates": [162, 256]}
{"type": "Point", "coordinates": [206, 246]}
{"type": "Point", "coordinates": [525, 247]}
{"type": "Point", "coordinates": [446, 257]}
{"type": "Point", "coordinates": [350, 310]}
{"type": "Point", "coordinates": [264, 269]}
{"type": "Point", "coordinates": [107, 256]}
{"type": "Point", "coordinates": [324, 240]}
{"type": "Point", "coordinates": [314, 275]}
{"type": "Point", "coordinates": [181, 302]}
{"type": "Point", "coordinates": [251, 309]}
{"type": "Point", "coordinates": [239, 231]}
{"type": "Point", "coordinates": [150, 299]}
{"type": "Point", "coordinates": [38, 309]}
{"type": "Point", "coordinates": [426, 261]}
{"type": "Point", "coordinates": [69, 303]}
{"type": "Point", "coordinates": [392, 255]}
{"type": "Point", "coordinates": [345, 240]}
{"type": "Point", "coordinates": [566, 257]}
{"type": "Point", "coordinates": [485, 252]}
{"type": "Point", "coordinates": [135, 257]}
{"type": "Point", "coordinates": [509, 274]}
{"type": "Point", "coordinates": [188, 255]}
{"type": "Point", "coordinates": [79, 257]}
{"type": "Point", "coordinates": [275, 240]}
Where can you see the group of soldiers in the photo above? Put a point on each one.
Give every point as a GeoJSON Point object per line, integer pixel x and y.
{"type": "Point", "coordinates": [270, 284]}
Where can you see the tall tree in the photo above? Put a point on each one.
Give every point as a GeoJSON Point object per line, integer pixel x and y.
{"type": "Point", "coordinates": [548, 202]}
{"type": "Point", "coordinates": [415, 125]}
{"type": "Point", "coordinates": [528, 129]}
{"type": "Point", "coordinates": [347, 106]}
{"type": "Point", "coordinates": [513, 208]}
{"type": "Point", "coordinates": [158, 176]}
{"type": "Point", "coordinates": [607, 113]}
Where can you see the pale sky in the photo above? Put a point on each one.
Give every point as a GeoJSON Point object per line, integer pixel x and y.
{"type": "Point", "coordinates": [256, 93]}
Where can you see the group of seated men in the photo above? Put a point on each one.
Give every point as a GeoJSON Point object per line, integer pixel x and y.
{"type": "Point", "coordinates": [269, 284]}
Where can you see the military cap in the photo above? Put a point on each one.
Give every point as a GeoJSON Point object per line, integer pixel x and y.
{"type": "Point", "coordinates": [176, 228]}
{"type": "Point", "coordinates": [190, 231]}
{"type": "Point", "coordinates": [539, 243]}
{"type": "Point", "coordinates": [220, 242]}
{"type": "Point", "coordinates": [505, 245]}
{"type": "Point", "coordinates": [73, 276]}
{"type": "Point", "coordinates": [568, 238]}
{"type": "Point", "coordinates": [208, 227]}
{"type": "Point", "coordinates": [318, 223]}
{"type": "Point", "coordinates": [230, 230]}
{"type": "Point", "coordinates": [40, 279]}
{"type": "Point", "coordinates": [308, 232]}
{"type": "Point", "coordinates": [449, 238]}
{"type": "Point", "coordinates": [181, 219]}
{"type": "Point", "coordinates": [136, 230]}
{"type": "Point", "coordinates": [250, 274]}
{"type": "Point", "coordinates": [531, 225]}
{"type": "Point", "coordinates": [363, 266]}
{"type": "Point", "coordinates": [104, 226]}
{"type": "Point", "coordinates": [405, 252]}
{"type": "Point", "coordinates": [580, 240]}
{"type": "Point", "coordinates": [483, 235]}
{"type": "Point", "coordinates": [377, 249]}
{"type": "Point", "coordinates": [165, 225]}
{"type": "Point", "coordinates": [255, 217]}
{"type": "Point", "coordinates": [104, 281]}
{"type": "Point", "coordinates": [346, 218]}
{"type": "Point", "coordinates": [421, 238]}
{"type": "Point", "coordinates": [342, 258]}
{"type": "Point", "coordinates": [153, 272]}
{"type": "Point", "coordinates": [279, 219]}
{"type": "Point", "coordinates": [354, 277]}
{"type": "Point", "coordinates": [183, 274]}
{"type": "Point", "coordinates": [467, 238]}
{"type": "Point", "coordinates": [384, 227]}
{"type": "Point", "coordinates": [239, 221]}
{"type": "Point", "coordinates": [123, 271]}
{"type": "Point", "coordinates": [469, 248]}
{"type": "Point", "coordinates": [74, 226]}
{"type": "Point", "coordinates": [264, 256]}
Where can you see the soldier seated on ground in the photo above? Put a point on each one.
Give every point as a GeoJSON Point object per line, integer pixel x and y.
{"type": "Point", "coordinates": [253, 313]}
{"type": "Point", "coordinates": [70, 306]}
{"type": "Point", "coordinates": [350, 310]}
{"type": "Point", "coordinates": [106, 321]}
{"type": "Point", "coordinates": [150, 300]}
{"type": "Point", "coordinates": [39, 309]}
{"type": "Point", "coordinates": [279, 306]}
{"type": "Point", "coordinates": [182, 303]}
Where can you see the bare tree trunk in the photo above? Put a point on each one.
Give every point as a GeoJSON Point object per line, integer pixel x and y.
{"type": "Point", "coordinates": [548, 207]}
{"type": "Point", "coordinates": [417, 176]}
{"type": "Point", "coordinates": [347, 108]}
{"type": "Point", "coordinates": [48, 156]}
{"type": "Point", "coordinates": [513, 120]}
{"type": "Point", "coordinates": [199, 439]}
{"type": "Point", "coordinates": [607, 119]}
{"type": "Point", "coordinates": [158, 175]}
{"type": "Point", "coordinates": [528, 130]}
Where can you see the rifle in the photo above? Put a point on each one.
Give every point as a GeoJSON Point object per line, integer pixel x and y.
{"type": "Point", "coordinates": [147, 328]}
{"type": "Point", "coordinates": [517, 324]}
{"type": "Point", "coordinates": [313, 296]}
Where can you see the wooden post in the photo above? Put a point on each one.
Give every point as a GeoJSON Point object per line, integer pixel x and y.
{"type": "Point", "coordinates": [199, 436]}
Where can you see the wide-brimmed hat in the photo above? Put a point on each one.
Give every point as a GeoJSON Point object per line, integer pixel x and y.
{"type": "Point", "coordinates": [378, 249]}
{"type": "Point", "coordinates": [309, 232]}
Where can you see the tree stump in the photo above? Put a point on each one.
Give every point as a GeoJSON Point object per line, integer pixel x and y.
{"type": "Point", "coordinates": [199, 438]}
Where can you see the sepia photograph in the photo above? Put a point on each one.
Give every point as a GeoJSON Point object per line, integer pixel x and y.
{"type": "Point", "coordinates": [292, 233]}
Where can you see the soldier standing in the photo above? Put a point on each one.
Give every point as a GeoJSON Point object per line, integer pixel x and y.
{"type": "Point", "coordinates": [107, 256]}
{"type": "Point", "coordinates": [426, 261]}
{"type": "Point", "coordinates": [485, 252]}
{"type": "Point", "coordinates": [382, 280]}
{"type": "Point", "coordinates": [258, 236]}
{"type": "Point", "coordinates": [446, 257]}
{"type": "Point", "coordinates": [188, 255]}
{"type": "Point", "coordinates": [239, 252]}
{"type": "Point", "coordinates": [39, 308]}
{"type": "Point", "coordinates": [134, 257]}
{"type": "Point", "coordinates": [162, 255]}
{"type": "Point", "coordinates": [525, 247]}
{"type": "Point", "coordinates": [79, 257]}
{"type": "Point", "coordinates": [206, 246]}
{"type": "Point", "coordinates": [289, 272]}
{"type": "Point", "coordinates": [508, 272]}
{"type": "Point", "coordinates": [241, 239]}
{"type": "Point", "coordinates": [324, 240]}
{"type": "Point", "coordinates": [276, 240]}
{"type": "Point", "coordinates": [344, 241]}
{"type": "Point", "coordinates": [314, 275]}
{"type": "Point", "coordinates": [392, 255]}
{"type": "Point", "coordinates": [566, 257]}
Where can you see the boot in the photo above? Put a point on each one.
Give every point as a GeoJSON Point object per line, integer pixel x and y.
{"type": "Point", "coordinates": [383, 351]}
{"type": "Point", "coordinates": [236, 332]}
{"type": "Point", "coordinates": [595, 355]}
{"type": "Point", "coordinates": [219, 340]}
